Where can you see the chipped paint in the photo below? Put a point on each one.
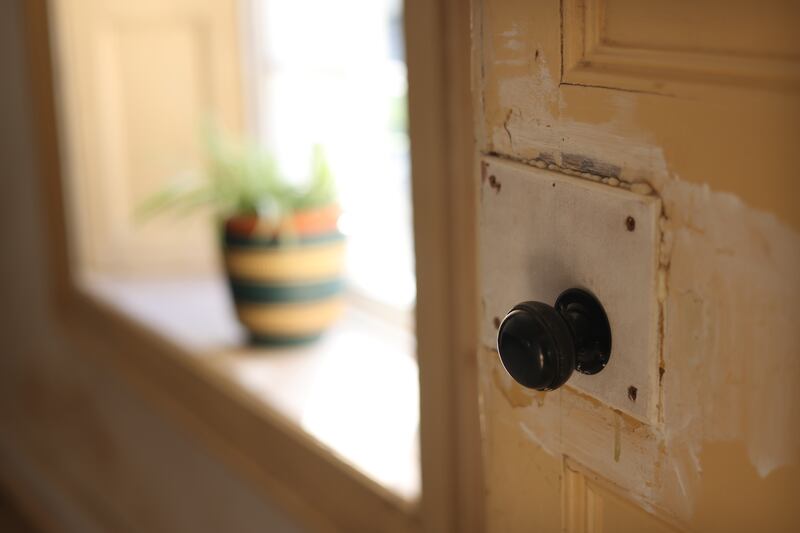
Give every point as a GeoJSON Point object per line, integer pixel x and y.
{"type": "Point", "coordinates": [515, 394]}
{"type": "Point", "coordinates": [582, 163]}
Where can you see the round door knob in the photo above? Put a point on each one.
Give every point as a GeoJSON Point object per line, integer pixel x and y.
{"type": "Point", "coordinates": [541, 345]}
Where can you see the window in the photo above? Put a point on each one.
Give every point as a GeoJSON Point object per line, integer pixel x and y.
{"type": "Point", "coordinates": [341, 82]}
{"type": "Point", "coordinates": [133, 82]}
{"type": "Point", "coordinates": [138, 83]}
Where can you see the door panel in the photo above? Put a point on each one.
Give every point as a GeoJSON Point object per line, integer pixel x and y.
{"type": "Point", "coordinates": [645, 46]}
{"type": "Point", "coordinates": [592, 506]}
{"type": "Point", "coordinates": [143, 79]}
{"type": "Point", "coordinates": [695, 104]}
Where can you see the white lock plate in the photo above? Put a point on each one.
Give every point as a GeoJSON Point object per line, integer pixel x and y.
{"type": "Point", "coordinates": [543, 232]}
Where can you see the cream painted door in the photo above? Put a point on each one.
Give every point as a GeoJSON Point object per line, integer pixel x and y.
{"type": "Point", "coordinates": [138, 81]}
{"type": "Point", "coordinates": [695, 105]}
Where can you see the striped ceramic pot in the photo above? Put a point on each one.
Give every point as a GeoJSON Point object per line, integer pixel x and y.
{"type": "Point", "coordinates": [286, 284]}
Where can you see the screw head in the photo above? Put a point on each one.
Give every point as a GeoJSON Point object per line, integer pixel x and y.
{"type": "Point", "coordinates": [630, 223]}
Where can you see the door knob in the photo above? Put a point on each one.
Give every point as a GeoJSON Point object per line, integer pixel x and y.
{"type": "Point", "coordinates": [541, 345]}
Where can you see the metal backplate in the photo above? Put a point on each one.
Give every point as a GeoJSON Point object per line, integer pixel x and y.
{"type": "Point", "coordinates": [543, 232]}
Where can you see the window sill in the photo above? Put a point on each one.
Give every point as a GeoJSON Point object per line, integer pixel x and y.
{"type": "Point", "coordinates": [355, 391]}
{"type": "Point", "coordinates": [195, 380]}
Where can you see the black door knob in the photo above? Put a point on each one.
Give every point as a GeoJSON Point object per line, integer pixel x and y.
{"type": "Point", "coordinates": [540, 346]}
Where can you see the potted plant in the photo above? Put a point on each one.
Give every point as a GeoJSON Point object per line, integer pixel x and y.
{"type": "Point", "coordinates": [282, 250]}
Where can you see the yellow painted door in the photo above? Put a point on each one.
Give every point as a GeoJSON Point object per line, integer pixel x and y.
{"type": "Point", "coordinates": [695, 105]}
{"type": "Point", "coordinates": [139, 82]}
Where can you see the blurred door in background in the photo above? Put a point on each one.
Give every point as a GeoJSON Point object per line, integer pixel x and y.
{"type": "Point", "coordinates": [144, 78]}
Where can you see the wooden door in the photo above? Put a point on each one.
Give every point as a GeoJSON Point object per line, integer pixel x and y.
{"type": "Point", "coordinates": [694, 106]}
{"type": "Point", "coordinates": [140, 82]}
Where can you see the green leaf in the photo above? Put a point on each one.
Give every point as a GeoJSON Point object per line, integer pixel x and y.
{"type": "Point", "coordinates": [241, 178]}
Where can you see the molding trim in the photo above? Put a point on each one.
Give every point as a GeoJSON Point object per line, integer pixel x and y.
{"type": "Point", "coordinates": [581, 507]}
{"type": "Point", "coordinates": [589, 58]}
{"type": "Point", "coordinates": [585, 496]}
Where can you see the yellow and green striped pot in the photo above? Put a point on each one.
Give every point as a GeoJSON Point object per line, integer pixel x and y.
{"type": "Point", "coordinates": [286, 280]}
